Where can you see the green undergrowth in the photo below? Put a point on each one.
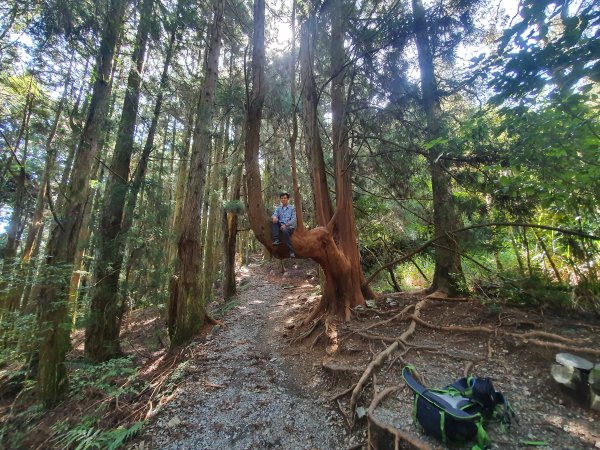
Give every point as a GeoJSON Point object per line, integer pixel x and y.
{"type": "Point", "coordinates": [94, 414]}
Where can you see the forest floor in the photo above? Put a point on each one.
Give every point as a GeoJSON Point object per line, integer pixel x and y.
{"type": "Point", "coordinates": [266, 381]}
{"type": "Point", "coordinates": [256, 385]}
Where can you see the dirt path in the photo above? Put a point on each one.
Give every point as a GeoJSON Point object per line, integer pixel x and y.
{"type": "Point", "coordinates": [246, 387]}
{"type": "Point", "coordinates": [241, 390]}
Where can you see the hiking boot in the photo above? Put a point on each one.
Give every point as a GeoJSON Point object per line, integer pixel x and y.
{"type": "Point", "coordinates": [292, 255]}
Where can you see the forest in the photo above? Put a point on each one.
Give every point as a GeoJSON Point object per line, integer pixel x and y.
{"type": "Point", "coordinates": [443, 158]}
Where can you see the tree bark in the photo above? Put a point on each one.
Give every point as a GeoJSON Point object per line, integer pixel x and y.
{"type": "Point", "coordinates": [53, 314]}
{"type": "Point", "coordinates": [548, 256]}
{"type": "Point", "coordinates": [102, 332]}
{"type": "Point", "coordinates": [8, 298]}
{"type": "Point", "coordinates": [230, 235]}
{"type": "Point", "coordinates": [448, 275]}
{"type": "Point", "coordinates": [310, 100]}
{"type": "Point", "coordinates": [210, 243]}
{"type": "Point", "coordinates": [340, 292]}
{"type": "Point", "coordinates": [345, 231]}
{"type": "Point", "coordinates": [186, 311]}
{"type": "Point", "coordinates": [293, 138]}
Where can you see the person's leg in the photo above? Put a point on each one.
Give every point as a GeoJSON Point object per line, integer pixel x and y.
{"type": "Point", "coordinates": [287, 239]}
{"type": "Point", "coordinates": [275, 233]}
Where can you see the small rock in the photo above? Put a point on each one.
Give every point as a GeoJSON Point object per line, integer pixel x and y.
{"type": "Point", "coordinates": [174, 422]}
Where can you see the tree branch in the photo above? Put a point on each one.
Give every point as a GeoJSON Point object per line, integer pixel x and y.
{"type": "Point", "coordinates": [470, 227]}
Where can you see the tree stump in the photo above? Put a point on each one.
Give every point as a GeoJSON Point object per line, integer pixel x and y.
{"type": "Point", "coordinates": [594, 381]}
{"type": "Point", "coordinates": [579, 376]}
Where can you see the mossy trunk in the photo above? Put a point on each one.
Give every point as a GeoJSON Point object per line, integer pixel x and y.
{"type": "Point", "coordinates": [53, 317]}
{"type": "Point", "coordinates": [448, 276]}
{"type": "Point", "coordinates": [186, 311]}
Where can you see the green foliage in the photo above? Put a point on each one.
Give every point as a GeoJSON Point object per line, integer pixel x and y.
{"type": "Point", "coordinates": [85, 436]}
{"type": "Point", "coordinates": [176, 377]}
{"type": "Point", "coordinates": [552, 50]}
{"type": "Point", "coordinates": [225, 308]}
{"type": "Point", "coordinates": [234, 206]}
{"type": "Point", "coordinates": [114, 378]}
{"type": "Point", "coordinates": [531, 291]}
{"type": "Point", "coordinates": [410, 278]}
{"type": "Point", "coordinates": [19, 338]}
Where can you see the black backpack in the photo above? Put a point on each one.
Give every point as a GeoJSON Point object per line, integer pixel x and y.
{"type": "Point", "coordinates": [459, 411]}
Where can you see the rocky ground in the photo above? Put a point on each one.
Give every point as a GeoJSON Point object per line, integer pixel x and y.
{"type": "Point", "coordinates": [240, 390]}
{"type": "Point", "coordinates": [252, 385]}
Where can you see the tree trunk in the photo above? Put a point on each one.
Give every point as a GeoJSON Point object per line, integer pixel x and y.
{"type": "Point", "coordinates": [548, 256]}
{"type": "Point", "coordinates": [210, 242]}
{"type": "Point", "coordinates": [53, 314]}
{"type": "Point", "coordinates": [345, 231]}
{"type": "Point", "coordinates": [515, 247]}
{"type": "Point", "coordinates": [186, 312]}
{"type": "Point", "coordinates": [340, 292]}
{"type": "Point", "coordinates": [527, 254]}
{"type": "Point", "coordinates": [312, 139]}
{"type": "Point", "coordinates": [448, 275]}
{"type": "Point", "coordinates": [293, 138]}
{"type": "Point", "coordinates": [9, 301]}
{"type": "Point", "coordinates": [230, 235]}
{"type": "Point", "coordinates": [102, 332]}
{"type": "Point", "coordinates": [182, 172]}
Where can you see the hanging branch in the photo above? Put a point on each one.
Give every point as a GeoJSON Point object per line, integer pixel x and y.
{"type": "Point", "coordinates": [430, 242]}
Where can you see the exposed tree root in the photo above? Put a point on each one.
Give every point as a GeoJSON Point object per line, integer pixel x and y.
{"type": "Point", "coordinates": [337, 369]}
{"type": "Point", "coordinates": [306, 333]}
{"type": "Point", "coordinates": [468, 368]}
{"type": "Point", "coordinates": [382, 356]}
{"type": "Point", "coordinates": [377, 337]}
{"type": "Point", "coordinates": [526, 337]}
{"type": "Point", "coordinates": [212, 321]}
{"type": "Point", "coordinates": [398, 316]}
{"type": "Point", "coordinates": [381, 435]}
{"type": "Point", "coordinates": [316, 339]}
{"type": "Point", "coordinates": [344, 392]}
{"type": "Point", "coordinates": [332, 334]}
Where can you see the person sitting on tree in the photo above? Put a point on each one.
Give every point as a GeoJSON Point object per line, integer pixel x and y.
{"type": "Point", "coordinates": [283, 223]}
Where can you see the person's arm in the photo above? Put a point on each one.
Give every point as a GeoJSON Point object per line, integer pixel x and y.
{"type": "Point", "coordinates": [275, 216]}
{"type": "Point", "coordinates": [292, 222]}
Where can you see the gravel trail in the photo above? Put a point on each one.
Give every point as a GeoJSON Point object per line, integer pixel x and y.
{"type": "Point", "coordinates": [242, 389]}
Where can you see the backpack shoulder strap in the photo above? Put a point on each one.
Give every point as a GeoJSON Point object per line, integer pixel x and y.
{"type": "Point", "coordinates": [434, 397]}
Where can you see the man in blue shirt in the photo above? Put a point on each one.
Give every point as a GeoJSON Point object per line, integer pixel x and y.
{"type": "Point", "coordinates": [283, 223]}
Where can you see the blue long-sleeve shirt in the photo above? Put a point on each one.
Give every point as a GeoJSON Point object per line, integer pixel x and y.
{"type": "Point", "coordinates": [286, 215]}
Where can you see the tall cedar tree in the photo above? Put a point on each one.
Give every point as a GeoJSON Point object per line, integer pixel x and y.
{"type": "Point", "coordinates": [102, 333]}
{"type": "Point", "coordinates": [448, 275]}
{"type": "Point", "coordinates": [62, 244]}
{"type": "Point", "coordinates": [186, 309]}
{"type": "Point", "coordinates": [342, 290]}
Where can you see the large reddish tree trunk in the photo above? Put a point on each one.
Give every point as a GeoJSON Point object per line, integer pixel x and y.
{"type": "Point", "coordinates": [345, 230]}
{"type": "Point", "coordinates": [310, 122]}
{"type": "Point", "coordinates": [341, 292]}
